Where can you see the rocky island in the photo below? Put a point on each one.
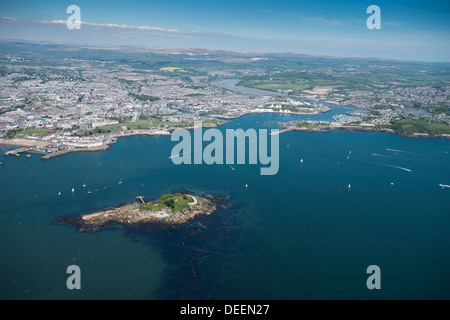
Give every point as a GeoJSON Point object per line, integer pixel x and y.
{"type": "Point", "coordinates": [171, 210]}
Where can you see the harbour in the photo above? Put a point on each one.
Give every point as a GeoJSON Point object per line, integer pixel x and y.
{"type": "Point", "coordinates": [312, 215]}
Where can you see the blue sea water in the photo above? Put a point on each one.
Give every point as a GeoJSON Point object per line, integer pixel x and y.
{"type": "Point", "coordinates": [300, 234]}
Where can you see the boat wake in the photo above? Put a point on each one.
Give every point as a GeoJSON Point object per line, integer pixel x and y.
{"type": "Point", "coordinates": [402, 151]}
{"type": "Point", "coordinates": [381, 155]}
{"type": "Point", "coordinates": [180, 155]}
{"type": "Point", "coordinates": [401, 168]}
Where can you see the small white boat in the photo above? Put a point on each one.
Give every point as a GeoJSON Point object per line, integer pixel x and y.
{"type": "Point", "coordinates": [349, 186]}
{"type": "Point", "coordinates": [84, 185]}
{"type": "Point", "coordinates": [28, 156]}
{"type": "Point", "coordinates": [246, 185]}
{"type": "Point", "coordinates": [301, 160]}
{"type": "Point", "coordinates": [120, 182]}
{"type": "Point", "coordinates": [89, 192]}
{"type": "Point", "coordinates": [73, 190]}
{"type": "Point", "coordinates": [59, 193]}
{"type": "Point", "coordinates": [392, 183]}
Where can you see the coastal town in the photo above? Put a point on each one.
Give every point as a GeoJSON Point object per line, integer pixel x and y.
{"type": "Point", "coordinates": [54, 106]}
{"type": "Point", "coordinates": [78, 106]}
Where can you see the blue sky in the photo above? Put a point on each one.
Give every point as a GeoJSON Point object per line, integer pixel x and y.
{"type": "Point", "coordinates": [410, 30]}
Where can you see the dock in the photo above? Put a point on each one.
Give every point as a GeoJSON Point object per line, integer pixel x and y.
{"type": "Point", "coordinates": [63, 152]}
{"type": "Point", "coordinates": [17, 152]}
{"type": "Point", "coordinates": [280, 132]}
{"type": "Point", "coordinates": [141, 199]}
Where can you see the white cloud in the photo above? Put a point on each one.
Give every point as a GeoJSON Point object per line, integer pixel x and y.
{"type": "Point", "coordinates": [321, 20]}
{"type": "Point", "coordinates": [9, 19]}
{"type": "Point", "coordinates": [120, 26]}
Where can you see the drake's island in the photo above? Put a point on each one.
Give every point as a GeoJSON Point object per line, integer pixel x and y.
{"type": "Point", "coordinates": [171, 210]}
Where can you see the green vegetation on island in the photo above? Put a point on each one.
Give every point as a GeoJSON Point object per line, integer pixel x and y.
{"type": "Point", "coordinates": [175, 202]}
{"type": "Point", "coordinates": [170, 210]}
{"type": "Point", "coordinates": [305, 124]}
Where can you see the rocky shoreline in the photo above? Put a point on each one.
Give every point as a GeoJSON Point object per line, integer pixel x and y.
{"type": "Point", "coordinates": [344, 128]}
{"type": "Point", "coordinates": [132, 215]}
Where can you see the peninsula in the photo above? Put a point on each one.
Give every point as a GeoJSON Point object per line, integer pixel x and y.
{"type": "Point", "coordinates": [403, 127]}
{"type": "Point", "coordinates": [171, 210]}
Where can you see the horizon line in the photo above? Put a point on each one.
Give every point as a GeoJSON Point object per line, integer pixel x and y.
{"type": "Point", "coordinates": [226, 50]}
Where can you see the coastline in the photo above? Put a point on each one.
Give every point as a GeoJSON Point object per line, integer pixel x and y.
{"type": "Point", "coordinates": [34, 146]}
{"type": "Point", "coordinates": [344, 128]}
{"type": "Point", "coordinates": [24, 143]}
{"type": "Point", "coordinates": [29, 145]}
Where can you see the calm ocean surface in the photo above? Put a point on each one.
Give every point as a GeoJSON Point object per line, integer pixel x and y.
{"type": "Point", "coordinates": [300, 234]}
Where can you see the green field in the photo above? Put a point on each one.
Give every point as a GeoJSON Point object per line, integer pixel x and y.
{"type": "Point", "coordinates": [299, 81]}
{"type": "Point", "coordinates": [143, 97]}
{"type": "Point", "coordinates": [13, 132]}
{"type": "Point", "coordinates": [139, 126]}
{"type": "Point", "coordinates": [410, 126]}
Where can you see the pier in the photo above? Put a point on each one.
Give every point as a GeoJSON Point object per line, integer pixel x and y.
{"type": "Point", "coordinates": [17, 152]}
{"type": "Point", "coordinates": [280, 132]}
{"type": "Point", "coordinates": [141, 199]}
